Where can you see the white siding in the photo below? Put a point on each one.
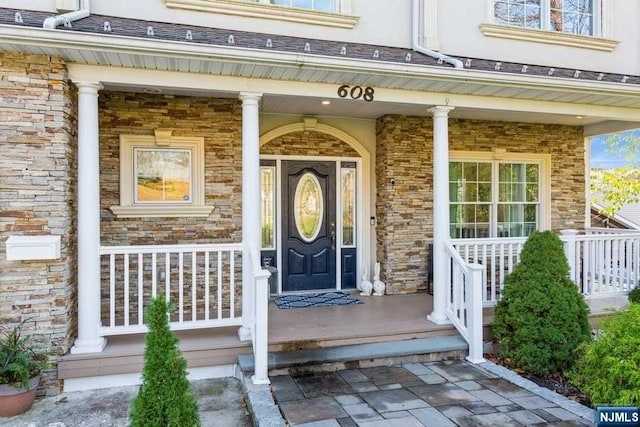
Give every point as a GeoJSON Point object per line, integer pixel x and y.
{"type": "Point", "coordinates": [460, 35]}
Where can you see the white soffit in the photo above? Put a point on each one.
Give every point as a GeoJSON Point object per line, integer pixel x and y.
{"type": "Point", "coordinates": [256, 64]}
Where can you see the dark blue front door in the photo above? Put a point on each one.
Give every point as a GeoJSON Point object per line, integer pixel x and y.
{"type": "Point", "coordinates": [308, 225]}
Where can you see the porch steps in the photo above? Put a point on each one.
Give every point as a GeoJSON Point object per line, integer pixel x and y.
{"type": "Point", "coordinates": [125, 354]}
{"type": "Point", "coordinates": [434, 348]}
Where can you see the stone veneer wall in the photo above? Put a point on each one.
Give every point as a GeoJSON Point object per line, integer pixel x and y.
{"type": "Point", "coordinates": [308, 143]}
{"type": "Point", "coordinates": [404, 150]}
{"type": "Point", "coordinates": [38, 173]}
{"type": "Point", "coordinates": [219, 121]}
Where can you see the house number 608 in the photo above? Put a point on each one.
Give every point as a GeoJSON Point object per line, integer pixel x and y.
{"type": "Point", "coordinates": [356, 92]}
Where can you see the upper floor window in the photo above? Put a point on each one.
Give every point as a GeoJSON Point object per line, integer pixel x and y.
{"type": "Point", "coordinates": [330, 13]}
{"type": "Point", "coordinates": [319, 5]}
{"type": "Point", "coordinates": [567, 16]}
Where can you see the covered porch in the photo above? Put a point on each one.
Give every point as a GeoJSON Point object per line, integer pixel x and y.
{"type": "Point", "coordinates": [224, 285]}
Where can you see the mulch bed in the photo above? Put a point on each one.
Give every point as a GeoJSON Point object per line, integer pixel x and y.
{"type": "Point", "coordinates": [557, 383]}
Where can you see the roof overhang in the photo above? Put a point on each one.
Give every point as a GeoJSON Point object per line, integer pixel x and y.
{"type": "Point", "coordinates": [416, 83]}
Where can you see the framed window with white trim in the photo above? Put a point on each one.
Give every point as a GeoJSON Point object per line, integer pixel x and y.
{"type": "Point", "coordinates": [566, 16]}
{"type": "Point", "coordinates": [498, 195]}
{"type": "Point", "coordinates": [331, 13]}
{"type": "Point", "coordinates": [576, 23]}
{"type": "Point", "coordinates": [161, 176]}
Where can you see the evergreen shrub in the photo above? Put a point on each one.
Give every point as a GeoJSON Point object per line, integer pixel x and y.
{"type": "Point", "coordinates": [634, 295]}
{"type": "Point", "coordinates": [541, 318]}
{"type": "Point", "coordinates": [608, 369]}
{"type": "Point", "coordinates": [164, 399]}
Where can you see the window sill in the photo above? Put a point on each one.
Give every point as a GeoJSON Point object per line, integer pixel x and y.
{"type": "Point", "coordinates": [160, 211]}
{"type": "Point", "coordinates": [549, 37]}
{"type": "Point", "coordinates": [267, 11]}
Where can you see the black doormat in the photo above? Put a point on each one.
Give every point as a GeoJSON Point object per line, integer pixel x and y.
{"type": "Point", "coordinates": [323, 299]}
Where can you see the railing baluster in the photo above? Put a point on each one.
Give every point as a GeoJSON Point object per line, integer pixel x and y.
{"type": "Point", "coordinates": [206, 285]}
{"type": "Point", "coordinates": [501, 267]}
{"type": "Point", "coordinates": [112, 290]}
{"type": "Point", "coordinates": [140, 287]}
{"type": "Point", "coordinates": [154, 275]}
{"type": "Point", "coordinates": [220, 285]}
{"type": "Point", "coordinates": [194, 287]}
{"type": "Point", "coordinates": [167, 279]}
{"type": "Point", "coordinates": [232, 285]}
{"type": "Point", "coordinates": [126, 289]}
{"type": "Point", "coordinates": [627, 265]}
{"type": "Point", "coordinates": [493, 271]}
{"type": "Point", "coordinates": [180, 287]}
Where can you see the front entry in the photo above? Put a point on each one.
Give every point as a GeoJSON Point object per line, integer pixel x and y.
{"type": "Point", "coordinates": [308, 225]}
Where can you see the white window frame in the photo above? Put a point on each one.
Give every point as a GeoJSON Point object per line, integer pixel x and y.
{"type": "Point", "coordinates": [128, 208]}
{"type": "Point", "coordinates": [502, 156]}
{"type": "Point", "coordinates": [341, 18]}
{"type": "Point", "coordinates": [599, 40]}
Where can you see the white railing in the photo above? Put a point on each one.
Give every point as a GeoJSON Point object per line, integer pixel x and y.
{"type": "Point", "coordinates": [464, 301]}
{"type": "Point", "coordinates": [260, 327]}
{"type": "Point", "coordinates": [602, 230]}
{"type": "Point", "coordinates": [200, 279]}
{"type": "Point", "coordinates": [498, 255]}
{"type": "Point", "coordinates": [601, 261]}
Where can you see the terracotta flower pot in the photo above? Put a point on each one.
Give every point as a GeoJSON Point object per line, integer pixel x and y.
{"type": "Point", "coordinates": [15, 400]}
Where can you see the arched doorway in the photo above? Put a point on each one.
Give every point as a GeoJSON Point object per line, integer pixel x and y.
{"type": "Point", "coordinates": [313, 207]}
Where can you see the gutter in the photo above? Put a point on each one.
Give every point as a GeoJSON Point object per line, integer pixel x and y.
{"type": "Point", "coordinates": [415, 39]}
{"type": "Point", "coordinates": [65, 19]}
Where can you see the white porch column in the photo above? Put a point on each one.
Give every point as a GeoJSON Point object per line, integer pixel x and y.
{"type": "Point", "coordinates": [89, 340]}
{"type": "Point", "coordinates": [250, 204]}
{"type": "Point", "coordinates": [440, 210]}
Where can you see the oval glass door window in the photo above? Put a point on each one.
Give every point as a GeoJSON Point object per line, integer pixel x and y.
{"type": "Point", "coordinates": [308, 207]}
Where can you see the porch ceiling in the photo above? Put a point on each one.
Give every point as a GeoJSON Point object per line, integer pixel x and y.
{"type": "Point", "coordinates": [312, 106]}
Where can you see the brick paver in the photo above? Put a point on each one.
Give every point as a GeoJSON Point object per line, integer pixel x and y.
{"type": "Point", "coordinates": [449, 393]}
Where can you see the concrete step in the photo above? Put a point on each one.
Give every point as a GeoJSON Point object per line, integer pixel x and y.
{"type": "Point", "coordinates": [446, 346]}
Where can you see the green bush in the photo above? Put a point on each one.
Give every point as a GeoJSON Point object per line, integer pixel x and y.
{"type": "Point", "coordinates": [164, 398]}
{"type": "Point", "coordinates": [541, 318]}
{"type": "Point", "coordinates": [608, 370]}
{"type": "Point", "coordinates": [634, 295]}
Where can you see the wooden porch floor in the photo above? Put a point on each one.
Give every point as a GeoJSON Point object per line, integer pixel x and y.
{"type": "Point", "coordinates": [379, 319]}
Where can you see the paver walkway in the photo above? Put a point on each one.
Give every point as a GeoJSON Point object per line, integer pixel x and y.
{"type": "Point", "coordinates": [442, 394]}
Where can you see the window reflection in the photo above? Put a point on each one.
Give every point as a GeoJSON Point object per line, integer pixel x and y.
{"type": "Point", "coordinates": [267, 206]}
{"type": "Point", "coordinates": [308, 207]}
{"type": "Point", "coordinates": [162, 175]}
{"type": "Point", "coordinates": [348, 183]}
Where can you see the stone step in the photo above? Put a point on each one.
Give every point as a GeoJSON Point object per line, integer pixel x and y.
{"type": "Point", "coordinates": [357, 352]}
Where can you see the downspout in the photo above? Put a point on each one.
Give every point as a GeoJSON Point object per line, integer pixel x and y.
{"type": "Point", "coordinates": [417, 46]}
{"type": "Point", "coordinates": [54, 21]}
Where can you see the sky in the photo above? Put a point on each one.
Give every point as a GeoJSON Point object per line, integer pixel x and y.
{"type": "Point", "coordinates": [602, 158]}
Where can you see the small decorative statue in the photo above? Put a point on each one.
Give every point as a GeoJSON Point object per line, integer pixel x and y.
{"type": "Point", "coordinates": [365, 286]}
{"type": "Point", "coordinates": [378, 285]}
